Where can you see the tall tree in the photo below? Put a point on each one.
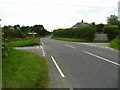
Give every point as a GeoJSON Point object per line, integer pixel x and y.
{"type": "Point", "coordinates": [112, 20]}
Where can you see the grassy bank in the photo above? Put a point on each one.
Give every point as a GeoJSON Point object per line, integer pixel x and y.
{"type": "Point", "coordinates": [79, 40]}
{"type": "Point", "coordinates": [71, 39]}
{"type": "Point", "coordinates": [23, 69]}
{"type": "Point", "coordinates": [24, 42]}
{"type": "Point", "coordinates": [115, 43]}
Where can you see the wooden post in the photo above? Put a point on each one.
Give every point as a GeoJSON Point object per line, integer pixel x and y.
{"type": "Point", "coordinates": [33, 34]}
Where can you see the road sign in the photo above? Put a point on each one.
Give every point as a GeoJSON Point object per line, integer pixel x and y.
{"type": "Point", "coordinates": [32, 33]}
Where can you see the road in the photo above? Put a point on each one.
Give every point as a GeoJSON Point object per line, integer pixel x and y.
{"type": "Point", "coordinates": [80, 65]}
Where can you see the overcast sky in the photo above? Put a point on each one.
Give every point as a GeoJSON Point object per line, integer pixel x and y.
{"type": "Point", "coordinates": [53, 14]}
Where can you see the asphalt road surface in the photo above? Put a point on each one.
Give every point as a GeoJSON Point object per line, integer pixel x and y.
{"type": "Point", "coordinates": [80, 65]}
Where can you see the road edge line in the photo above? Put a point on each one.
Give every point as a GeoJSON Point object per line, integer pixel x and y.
{"type": "Point", "coordinates": [60, 71]}
{"type": "Point", "coordinates": [43, 50]}
{"type": "Point", "coordinates": [42, 43]}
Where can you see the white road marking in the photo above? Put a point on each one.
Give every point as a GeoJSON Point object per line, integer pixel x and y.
{"type": "Point", "coordinates": [43, 50]}
{"type": "Point", "coordinates": [37, 47]}
{"type": "Point", "coordinates": [103, 58]}
{"type": "Point", "coordinates": [111, 48]}
{"type": "Point", "coordinates": [42, 43]}
{"type": "Point", "coordinates": [105, 47]}
{"type": "Point", "coordinates": [60, 71]}
{"type": "Point", "coordinates": [96, 45]}
{"type": "Point", "coordinates": [71, 89]}
{"type": "Point", "coordinates": [70, 46]}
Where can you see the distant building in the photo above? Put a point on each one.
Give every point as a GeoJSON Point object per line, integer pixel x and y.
{"type": "Point", "coordinates": [119, 10]}
{"type": "Point", "coordinates": [79, 24]}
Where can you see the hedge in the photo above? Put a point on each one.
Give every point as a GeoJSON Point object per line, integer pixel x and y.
{"type": "Point", "coordinates": [111, 31]}
{"type": "Point", "coordinates": [86, 32]}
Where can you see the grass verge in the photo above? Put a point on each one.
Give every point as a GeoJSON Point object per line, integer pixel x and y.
{"type": "Point", "coordinates": [22, 69]}
{"type": "Point", "coordinates": [115, 43]}
{"type": "Point", "coordinates": [71, 39]}
{"type": "Point", "coordinates": [79, 40]}
{"type": "Point", "coordinates": [24, 42]}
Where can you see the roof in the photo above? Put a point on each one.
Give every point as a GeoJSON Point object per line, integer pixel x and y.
{"type": "Point", "coordinates": [79, 24]}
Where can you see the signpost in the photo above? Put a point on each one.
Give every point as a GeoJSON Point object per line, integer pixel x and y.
{"type": "Point", "coordinates": [33, 34]}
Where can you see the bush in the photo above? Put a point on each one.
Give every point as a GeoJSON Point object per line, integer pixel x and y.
{"type": "Point", "coordinates": [111, 31]}
{"type": "Point", "coordinates": [80, 33]}
{"type": "Point", "coordinates": [115, 43]}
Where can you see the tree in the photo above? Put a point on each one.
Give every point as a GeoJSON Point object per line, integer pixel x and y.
{"type": "Point", "coordinates": [112, 20]}
{"type": "Point", "coordinates": [25, 29]}
{"type": "Point", "coordinates": [112, 31]}
{"type": "Point", "coordinates": [99, 27]}
{"type": "Point", "coordinates": [16, 26]}
{"type": "Point", "coordinates": [18, 31]}
{"type": "Point", "coordinates": [40, 30]}
{"type": "Point", "coordinates": [93, 23]}
{"type": "Point", "coordinates": [12, 32]}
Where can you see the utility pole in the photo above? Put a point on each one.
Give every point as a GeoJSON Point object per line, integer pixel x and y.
{"type": "Point", "coordinates": [0, 55]}
{"type": "Point", "coordinates": [118, 36]}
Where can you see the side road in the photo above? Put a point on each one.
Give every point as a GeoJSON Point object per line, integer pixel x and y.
{"type": "Point", "coordinates": [35, 49]}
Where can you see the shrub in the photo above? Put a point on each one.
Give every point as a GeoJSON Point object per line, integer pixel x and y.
{"type": "Point", "coordinates": [81, 33]}
{"type": "Point", "coordinates": [111, 31]}
{"type": "Point", "coordinates": [115, 43]}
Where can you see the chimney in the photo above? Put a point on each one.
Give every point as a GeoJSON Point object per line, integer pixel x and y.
{"type": "Point", "coordinates": [81, 21]}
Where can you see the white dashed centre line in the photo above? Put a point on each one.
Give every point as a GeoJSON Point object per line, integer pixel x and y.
{"type": "Point", "coordinates": [70, 46]}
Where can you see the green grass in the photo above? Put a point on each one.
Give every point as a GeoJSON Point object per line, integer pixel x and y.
{"type": "Point", "coordinates": [22, 69]}
{"type": "Point", "coordinates": [115, 43]}
{"type": "Point", "coordinates": [24, 42]}
{"type": "Point", "coordinates": [71, 39]}
{"type": "Point", "coordinates": [79, 40]}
